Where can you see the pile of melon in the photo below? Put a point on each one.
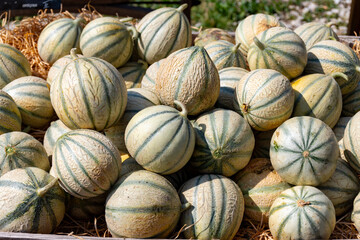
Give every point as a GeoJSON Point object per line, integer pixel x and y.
{"type": "Point", "coordinates": [167, 137]}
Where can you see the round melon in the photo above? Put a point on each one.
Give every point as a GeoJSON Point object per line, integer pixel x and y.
{"type": "Point", "coordinates": [352, 142]}
{"type": "Point", "coordinates": [109, 39]}
{"type": "Point", "coordinates": [13, 65]}
{"type": "Point", "coordinates": [304, 151]}
{"type": "Point", "coordinates": [251, 26]}
{"type": "Point", "coordinates": [341, 188]}
{"type": "Point", "coordinates": [224, 143]}
{"type": "Point", "coordinates": [137, 100]}
{"type": "Point", "coordinates": [56, 68]}
{"type": "Point", "coordinates": [302, 212]}
{"type": "Point", "coordinates": [225, 54]}
{"type": "Point", "coordinates": [314, 32]}
{"type": "Point", "coordinates": [21, 150]}
{"type": "Point", "coordinates": [329, 57]}
{"type": "Point", "coordinates": [89, 93]}
{"type": "Point", "coordinates": [10, 117]}
{"type": "Point", "coordinates": [261, 185]}
{"type": "Point", "coordinates": [160, 138]}
{"type": "Point", "coordinates": [318, 96]}
{"type": "Point", "coordinates": [86, 209]}
{"type": "Point", "coordinates": [229, 77]}
{"type": "Point", "coordinates": [133, 73]}
{"type": "Point", "coordinates": [212, 34]}
{"type": "Point", "coordinates": [340, 126]}
{"type": "Point", "coordinates": [351, 102]}
{"type": "Point", "coordinates": [155, 29]}
{"type": "Point", "coordinates": [189, 76]}
{"type": "Point", "coordinates": [32, 201]}
{"type": "Point", "coordinates": [149, 79]}
{"type": "Point", "coordinates": [265, 98]}
{"type": "Point", "coordinates": [142, 204]}
{"type": "Point", "coordinates": [86, 162]}
{"type": "Point", "coordinates": [58, 38]}
{"type": "Point", "coordinates": [129, 165]}
{"type": "Point", "coordinates": [262, 144]}
{"type": "Point", "coordinates": [355, 215]}
{"type": "Point", "coordinates": [32, 96]}
{"type": "Point", "coordinates": [279, 49]}
{"type": "Point", "coordinates": [217, 207]}
{"type": "Point", "coordinates": [54, 131]}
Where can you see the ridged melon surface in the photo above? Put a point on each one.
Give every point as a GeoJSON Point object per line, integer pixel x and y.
{"type": "Point", "coordinates": [56, 68]}
{"type": "Point", "coordinates": [10, 117]}
{"type": "Point", "coordinates": [212, 34]}
{"type": "Point", "coordinates": [355, 215]}
{"type": "Point", "coordinates": [351, 102]}
{"type": "Point", "coordinates": [133, 73]}
{"type": "Point", "coordinates": [149, 79]}
{"type": "Point", "coordinates": [54, 131]}
{"type": "Point", "coordinates": [352, 142]}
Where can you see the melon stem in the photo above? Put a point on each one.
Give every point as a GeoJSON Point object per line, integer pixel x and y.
{"type": "Point", "coordinates": [259, 44]}
{"type": "Point", "coordinates": [73, 54]}
{"type": "Point", "coordinates": [79, 20]}
{"type": "Point", "coordinates": [339, 75]}
{"type": "Point", "coordinates": [42, 191]}
{"type": "Point", "coordinates": [357, 68]}
{"type": "Point", "coordinates": [183, 108]}
{"type": "Point", "coordinates": [127, 19]}
{"type": "Point", "coordinates": [145, 64]}
{"type": "Point", "coordinates": [135, 33]}
{"type": "Point", "coordinates": [182, 7]}
{"type": "Point", "coordinates": [185, 206]}
{"type": "Point", "coordinates": [302, 203]}
{"type": "Point", "coordinates": [236, 47]}
{"type": "Point", "coordinates": [329, 24]}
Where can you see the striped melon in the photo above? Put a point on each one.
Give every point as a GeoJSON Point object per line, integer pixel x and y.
{"type": "Point", "coordinates": [261, 185]}
{"type": "Point", "coordinates": [167, 138]}
{"type": "Point", "coordinates": [340, 126]}
{"type": "Point", "coordinates": [265, 98]}
{"type": "Point", "coordinates": [279, 49]}
{"type": "Point", "coordinates": [341, 188]}
{"type": "Point", "coordinates": [229, 77]}
{"type": "Point", "coordinates": [332, 56]}
{"type": "Point", "coordinates": [189, 76]}
{"type": "Point", "coordinates": [149, 79]}
{"type": "Point", "coordinates": [304, 151]}
{"type": "Point", "coordinates": [314, 32]}
{"type": "Point", "coordinates": [351, 102]}
{"type": "Point", "coordinates": [86, 162]}
{"type": "Point", "coordinates": [109, 39]}
{"type": "Point", "coordinates": [137, 100]}
{"type": "Point", "coordinates": [319, 96]}
{"type": "Point", "coordinates": [10, 117]}
{"type": "Point", "coordinates": [129, 165]}
{"type": "Point", "coordinates": [13, 65]}
{"type": "Point", "coordinates": [32, 96]}
{"type": "Point", "coordinates": [32, 201]}
{"type": "Point", "coordinates": [142, 204]}
{"type": "Point", "coordinates": [88, 93]}
{"type": "Point", "coordinates": [225, 54]}
{"type": "Point", "coordinates": [58, 38]}
{"type": "Point", "coordinates": [217, 207]}
{"type": "Point", "coordinates": [54, 131]}
{"type": "Point", "coordinates": [57, 67]}
{"type": "Point", "coordinates": [355, 215]}
{"type": "Point", "coordinates": [352, 142]}
{"type": "Point", "coordinates": [262, 144]}
{"type": "Point", "coordinates": [133, 73]}
{"type": "Point", "coordinates": [224, 143]}
{"type": "Point", "coordinates": [302, 212]}
{"type": "Point", "coordinates": [212, 34]}
{"type": "Point", "coordinates": [162, 32]}
{"type": "Point", "coordinates": [86, 209]}
{"type": "Point", "coordinates": [21, 150]}
{"type": "Point", "coordinates": [251, 26]}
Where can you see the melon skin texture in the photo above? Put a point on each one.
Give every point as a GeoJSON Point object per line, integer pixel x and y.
{"type": "Point", "coordinates": [355, 215]}
{"type": "Point", "coordinates": [352, 142]}
{"type": "Point", "coordinates": [32, 96]}
{"type": "Point", "coordinates": [89, 93]}
{"type": "Point", "coordinates": [142, 204]}
{"type": "Point", "coordinates": [329, 57]}
{"type": "Point", "coordinates": [13, 65]}
{"type": "Point", "coordinates": [351, 102]}
{"type": "Point", "coordinates": [86, 162]}
{"type": "Point", "coordinates": [224, 143]}
{"type": "Point", "coordinates": [261, 185]}
{"type": "Point", "coordinates": [155, 29]}
{"type": "Point", "coordinates": [216, 207]}
{"type": "Point", "coordinates": [10, 117]}
{"type": "Point", "coordinates": [302, 212]}
{"type": "Point", "coordinates": [169, 138]}
{"type": "Point", "coordinates": [304, 151]}
{"type": "Point", "coordinates": [149, 79]}
{"type": "Point", "coordinates": [54, 131]}
{"type": "Point", "coordinates": [318, 96]}
{"type": "Point", "coordinates": [31, 201]}
{"type": "Point", "coordinates": [279, 49]}
{"type": "Point", "coordinates": [56, 68]}
{"type": "Point", "coordinates": [20, 150]}
{"type": "Point", "coordinates": [58, 38]}
{"type": "Point", "coordinates": [264, 98]}
{"type": "Point", "coordinates": [133, 73]}
{"type": "Point", "coordinates": [339, 131]}
{"type": "Point", "coordinates": [189, 76]}
{"type": "Point", "coordinates": [212, 34]}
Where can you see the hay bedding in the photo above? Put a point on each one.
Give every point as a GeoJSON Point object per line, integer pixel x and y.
{"type": "Point", "coordinates": [24, 36]}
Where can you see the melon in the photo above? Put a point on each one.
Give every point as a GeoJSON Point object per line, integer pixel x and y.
{"type": "Point", "coordinates": [352, 142]}
{"type": "Point", "coordinates": [351, 102]}
{"type": "Point", "coordinates": [133, 73]}
{"type": "Point", "coordinates": [54, 131]}
{"type": "Point", "coordinates": [162, 32]}
{"type": "Point", "coordinates": [13, 65]}
{"type": "Point", "coordinates": [32, 96]}
{"type": "Point", "coordinates": [355, 215]}
{"type": "Point", "coordinates": [149, 79]}
{"type": "Point", "coordinates": [10, 117]}
{"type": "Point", "coordinates": [224, 143]}
{"type": "Point", "coordinates": [340, 126]}
{"type": "Point", "coordinates": [34, 201]}
{"type": "Point", "coordinates": [212, 34]}
{"type": "Point", "coordinates": [86, 209]}
{"type": "Point", "coordinates": [304, 151]}
{"type": "Point", "coordinates": [56, 68]}
{"type": "Point", "coordinates": [142, 204]}
{"type": "Point", "coordinates": [302, 212]}
{"type": "Point", "coordinates": [189, 76]}
{"type": "Point", "coordinates": [262, 144]}
{"type": "Point", "coordinates": [265, 98]}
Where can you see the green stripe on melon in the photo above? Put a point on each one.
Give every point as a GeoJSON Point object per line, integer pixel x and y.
{"type": "Point", "coordinates": [355, 215]}
{"type": "Point", "coordinates": [133, 73]}
{"type": "Point", "coordinates": [352, 142]}
{"type": "Point", "coordinates": [212, 34]}
{"type": "Point", "coordinates": [10, 117]}
{"type": "Point", "coordinates": [351, 102]}
{"type": "Point", "coordinates": [54, 131]}
{"type": "Point", "coordinates": [340, 126]}
{"type": "Point", "coordinates": [149, 79]}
